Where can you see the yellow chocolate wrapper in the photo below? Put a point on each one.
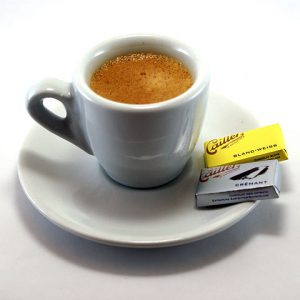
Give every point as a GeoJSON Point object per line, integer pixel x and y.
{"type": "Point", "coordinates": [259, 144]}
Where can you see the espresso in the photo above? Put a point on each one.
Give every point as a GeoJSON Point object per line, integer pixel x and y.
{"type": "Point", "coordinates": [141, 78]}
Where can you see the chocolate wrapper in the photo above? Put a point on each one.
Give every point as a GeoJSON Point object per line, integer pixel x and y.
{"type": "Point", "coordinates": [238, 183]}
{"type": "Point", "coordinates": [254, 145]}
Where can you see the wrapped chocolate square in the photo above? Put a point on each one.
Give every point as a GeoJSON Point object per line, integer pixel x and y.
{"type": "Point", "coordinates": [238, 183]}
{"type": "Point", "coordinates": [248, 146]}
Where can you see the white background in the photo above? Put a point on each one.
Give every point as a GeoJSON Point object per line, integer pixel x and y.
{"type": "Point", "coordinates": [253, 48]}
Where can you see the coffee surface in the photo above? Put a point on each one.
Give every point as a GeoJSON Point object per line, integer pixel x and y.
{"type": "Point", "coordinates": [141, 78]}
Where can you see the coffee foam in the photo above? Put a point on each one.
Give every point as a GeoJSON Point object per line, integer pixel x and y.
{"type": "Point", "coordinates": [141, 78]}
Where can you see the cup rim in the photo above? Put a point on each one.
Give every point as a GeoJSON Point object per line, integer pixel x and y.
{"type": "Point", "coordinates": [200, 83]}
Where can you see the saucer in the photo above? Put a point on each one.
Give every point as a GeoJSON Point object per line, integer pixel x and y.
{"type": "Point", "coordinates": [71, 190]}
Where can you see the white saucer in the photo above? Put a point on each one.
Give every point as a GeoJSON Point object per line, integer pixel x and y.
{"type": "Point", "coordinates": [70, 189]}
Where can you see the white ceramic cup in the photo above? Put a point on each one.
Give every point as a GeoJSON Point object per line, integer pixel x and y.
{"type": "Point", "coordinates": [139, 145]}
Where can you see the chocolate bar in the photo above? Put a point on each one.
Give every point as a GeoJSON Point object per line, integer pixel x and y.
{"type": "Point", "coordinates": [254, 145]}
{"type": "Point", "coordinates": [238, 183]}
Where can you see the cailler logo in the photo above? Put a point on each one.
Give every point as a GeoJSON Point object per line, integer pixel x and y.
{"type": "Point", "coordinates": [225, 142]}
{"type": "Point", "coordinates": [217, 172]}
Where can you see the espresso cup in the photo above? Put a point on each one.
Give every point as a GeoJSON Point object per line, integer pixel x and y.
{"type": "Point", "coordinates": [138, 145]}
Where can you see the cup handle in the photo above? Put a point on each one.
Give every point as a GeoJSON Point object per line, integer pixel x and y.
{"type": "Point", "coordinates": [70, 127]}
